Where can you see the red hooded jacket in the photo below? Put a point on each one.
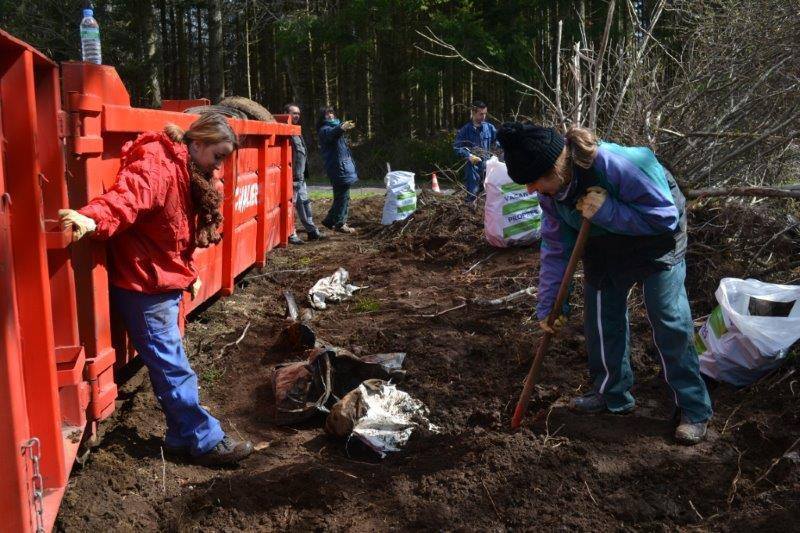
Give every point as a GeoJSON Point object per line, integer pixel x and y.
{"type": "Point", "coordinates": [148, 217]}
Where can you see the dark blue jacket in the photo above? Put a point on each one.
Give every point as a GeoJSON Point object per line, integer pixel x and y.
{"type": "Point", "coordinates": [336, 155]}
{"type": "Point", "coordinates": [476, 141]}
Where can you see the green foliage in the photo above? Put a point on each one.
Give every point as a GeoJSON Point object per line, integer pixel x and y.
{"type": "Point", "coordinates": [367, 305]}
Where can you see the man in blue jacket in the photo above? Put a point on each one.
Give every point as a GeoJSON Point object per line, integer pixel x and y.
{"type": "Point", "coordinates": [638, 236]}
{"type": "Point", "coordinates": [474, 143]}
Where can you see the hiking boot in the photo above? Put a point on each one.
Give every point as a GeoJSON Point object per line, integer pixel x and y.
{"type": "Point", "coordinates": [344, 228]}
{"type": "Point", "coordinates": [227, 451]}
{"type": "Point", "coordinates": [691, 432]}
{"type": "Point", "coordinates": [294, 239]}
{"type": "Point", "coordinates": [316, 235]}
{"type": "Point", "coordinates": [593, 402]}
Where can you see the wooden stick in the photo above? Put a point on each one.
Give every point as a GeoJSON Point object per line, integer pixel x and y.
{"type": "Point", "coordinates": [765, 192]}
{"type": "Point", "coordinates": [544, 343]}
{"type": "Point", "coordinates": [598, 67]}
{"type": "Point", "coordinates": [234, 343]}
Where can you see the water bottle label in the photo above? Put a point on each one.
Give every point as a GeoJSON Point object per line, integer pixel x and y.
{"type": "Point", "coordinates": [90, 33]}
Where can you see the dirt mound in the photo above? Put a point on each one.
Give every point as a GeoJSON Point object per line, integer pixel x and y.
{"type": "Point", "coordinates": [443, 230]}
{"type": "Point", "coordinates": [731, 239]}
{"type": "Point", "coordinates": [467, 364]}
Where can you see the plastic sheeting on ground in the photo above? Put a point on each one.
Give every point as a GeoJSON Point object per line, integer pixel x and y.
{"type": "Point", "coordinates": [334, 288]}
{"type": "Point", "coordinates": [379, 415]}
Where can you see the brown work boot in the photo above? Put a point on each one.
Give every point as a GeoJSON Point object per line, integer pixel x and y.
{"type": "Point", "coordinates": [344, 228]}
{"type": "Point", "coordinates": [227, 451]}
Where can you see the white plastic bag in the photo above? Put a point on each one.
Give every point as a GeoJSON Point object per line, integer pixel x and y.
{"type": "Point", "coordinates": [401, 196]}
{"type": "Point", "coordinates": [512, 216]}
{"type": "Point", "coordinates": [736, 345]}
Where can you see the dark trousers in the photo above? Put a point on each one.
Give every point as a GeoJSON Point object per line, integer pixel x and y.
{"type": "Point", "coordinates": [302, 206]}
{"type": "Point", "coordinates": [337, 214]}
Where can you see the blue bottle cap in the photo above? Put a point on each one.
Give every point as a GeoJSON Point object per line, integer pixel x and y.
{"type": "Point", "coordinates": [88, 13]}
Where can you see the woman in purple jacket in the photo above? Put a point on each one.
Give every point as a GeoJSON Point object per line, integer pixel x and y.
{"type": "Point", "coordinates": [638, 235]}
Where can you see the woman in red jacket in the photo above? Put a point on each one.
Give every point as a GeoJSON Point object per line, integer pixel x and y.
{"type": "Point", "coordinates": [161, 207]}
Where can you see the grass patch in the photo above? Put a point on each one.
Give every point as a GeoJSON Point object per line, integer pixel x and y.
{"type": "Point", "coordinates": [304, 261]}
{"type": "Point", "coordinates": [367, 304]}
{"type": "Point", "coordinates": [355, 194]}
{"type": "Point", "coordinates": [211, 375]}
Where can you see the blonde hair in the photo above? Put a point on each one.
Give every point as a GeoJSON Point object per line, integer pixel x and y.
{"type": "Point", "coordinates": [582, 145]}
{"type": "Point", "coordinates": [210, 128]}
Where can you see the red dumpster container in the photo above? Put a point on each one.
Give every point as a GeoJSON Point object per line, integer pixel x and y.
{"type": "Point", "coordinates": [59, 344]}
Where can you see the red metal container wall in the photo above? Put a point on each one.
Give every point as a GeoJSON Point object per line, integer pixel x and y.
{"type": "Point", "coordinates": [59, 342]}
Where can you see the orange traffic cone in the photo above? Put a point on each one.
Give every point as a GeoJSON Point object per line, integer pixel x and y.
{"type": "Point", "coordinates": [435, 183]}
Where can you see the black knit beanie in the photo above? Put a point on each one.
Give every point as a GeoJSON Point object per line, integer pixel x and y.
{"type": "Point", "coordinates": [530, 151]}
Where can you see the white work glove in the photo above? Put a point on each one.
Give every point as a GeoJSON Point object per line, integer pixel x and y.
{"type": "Point", "coordinates": [348, 125]}
{"type": "Point", "coordinates": [80, 224]}
{"type": "Point", "coordinates": [558, 324]}
{"type": "Point", "coordinates": [474, 159]}
{"type": "Point", "coordinates": [194, 288]}
{"type": "Point", "coordinates": [591, 202]}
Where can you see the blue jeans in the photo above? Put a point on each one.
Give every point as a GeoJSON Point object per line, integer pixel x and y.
{"type": "Point", "coordinates": [337, 214]}
{"type": "Point", "coordinates": [608, 341]}
{"type": "Point", "coordinates": [152, 324]}
{"type": "Point", "coordinates": [473, 179]}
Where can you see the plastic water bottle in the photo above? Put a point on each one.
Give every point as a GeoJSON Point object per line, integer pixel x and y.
{"type": "Point", "coordinates": [90, 38]}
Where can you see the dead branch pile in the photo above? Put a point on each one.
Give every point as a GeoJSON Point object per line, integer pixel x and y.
{"type": "Point", "coordinates": [737, 240]}
{"type": "Point", "coordinates": [443, 229]}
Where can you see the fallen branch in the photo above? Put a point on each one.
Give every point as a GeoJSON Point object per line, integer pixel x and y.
{"type": "Point", "coordinates": [791, 191]}
{"type": "Point", "coordinates": [470, 269]}
{"type": "Point", "coordinates": [292, 310]}
{"type": "Point", "coordinates": [440, 313]}
{"type": "Point", "coordinates": [530, 291]}
{"type": "Point", "coordinates": [775, 462]}
{"type": "Point", "coordinates": [234, 343]}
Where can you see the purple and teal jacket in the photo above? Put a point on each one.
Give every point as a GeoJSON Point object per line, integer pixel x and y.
{"type": "Point", "coordinates": [640, 228]}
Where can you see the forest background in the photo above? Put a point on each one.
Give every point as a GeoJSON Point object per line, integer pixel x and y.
{"type": "Point", "coordinates": [712, 86]}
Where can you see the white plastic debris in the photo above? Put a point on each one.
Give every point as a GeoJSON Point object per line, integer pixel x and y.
{"type": "Point", "coordinates": [334, 288]}
{"type": "Point", "coordinates": [392, 415]}
{"type": "Point", "coordinates": [750, 332]}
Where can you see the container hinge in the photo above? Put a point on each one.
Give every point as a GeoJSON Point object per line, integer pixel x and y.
{"type": "Point", "coordinates": [33, 448]}
{"type": "Point", "coordinates": [64, 126]}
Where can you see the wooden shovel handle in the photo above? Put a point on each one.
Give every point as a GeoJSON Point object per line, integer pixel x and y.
{"type": "Point", "coordinates": [555, 312]}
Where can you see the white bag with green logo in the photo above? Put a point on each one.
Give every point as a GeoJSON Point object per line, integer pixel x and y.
{"type": "Point", "coordinates": [750, 332]}
{"type": "Point", "coordinates": [512, 216]}
{"type": "Point", "coordinates": [401, 196]}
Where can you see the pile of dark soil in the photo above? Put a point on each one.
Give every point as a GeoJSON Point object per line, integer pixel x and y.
{"type": "Point", "coordinates": [561, 471]}
{"type": "Point", "coordinates": [443, 230]}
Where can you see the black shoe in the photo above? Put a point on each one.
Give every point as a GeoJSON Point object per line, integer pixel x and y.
{"type": "Point", "coordinates": [329, 226]}
{"type": "Point", "coordinates": [227, 451]}
{"type": "Point", "coordinates": [316, 235]}
{"type": "Point", "coordinates": [294, 239]}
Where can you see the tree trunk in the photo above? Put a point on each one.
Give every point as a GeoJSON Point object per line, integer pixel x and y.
{"type": "Point", "coordinates": [215, 59]}
{"type": "Point", "coordinates": [247, 15]}
{"type": "Point", "coordinates": [153, 86]}
{"type": "Point", "coordinates": [166, 55]}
